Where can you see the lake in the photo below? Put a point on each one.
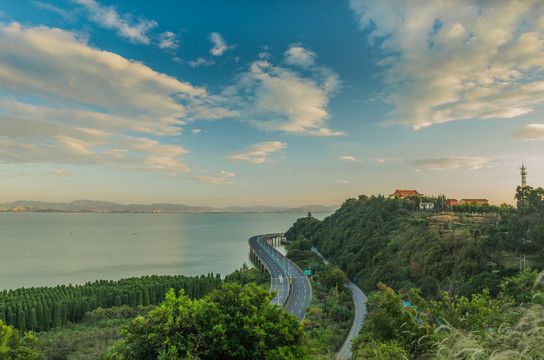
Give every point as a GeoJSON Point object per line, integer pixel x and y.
{"type": "Point", "coordinates": [47, 249]}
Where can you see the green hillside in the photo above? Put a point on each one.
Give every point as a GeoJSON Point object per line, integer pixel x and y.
{"type": "Point", "coordinates": [462, 283]}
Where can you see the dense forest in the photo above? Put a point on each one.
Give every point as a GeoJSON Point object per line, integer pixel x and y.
{"type": "Point", "coordinates": [50, 307]}
{"type": "Point", "coordinates": [462, 282]}
{"type": "Point", "coordinates": [86, 320]}
{"type": "Point", "coordinates": [378, 239]}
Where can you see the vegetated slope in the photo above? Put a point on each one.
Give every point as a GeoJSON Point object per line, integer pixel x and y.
{"type": "Point", "coordinates": [44, 308]}
{"type": "Point", "coordinates": [380, 239]}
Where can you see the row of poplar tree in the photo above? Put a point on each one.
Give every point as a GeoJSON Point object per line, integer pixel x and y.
{"type": "Point", "coordinates": [44, 308]}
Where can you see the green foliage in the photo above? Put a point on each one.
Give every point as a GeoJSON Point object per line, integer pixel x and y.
{"type": "Point", "coordinates": [474, 208]}
{"type": "Point", "coordinates": [44, 308]}
{"type": "Point", "coordinates": [246, 275]}
{"type": "Point", "coordinates": [519, 289]}
{"type": "Point", "coordinates": [14, 346]}
{"type": "Point", "coordinates": [389, 240]}
{"type": "Point", "coordinates": [300, 250]}
{"type": "Point", "coordinates": [379, 239]}
{"type": "Point", "coordinates": [335, 279]}
{"type": "Point", "coordinates": [304, 226]}
{"type": "Point", "coordinates": [379, 350]}
{"type": "Point", "coordinates": [481, 327]}
{"type": "Point", "coordinates": [520, 338]}
{"type": "Point", "coordinates": [388, 319]}
{"type": "Point", "coordinates": [480, 313]}
{"type": "Point", "coordinates": [530, 200]}
{"type": "Point", "coordinates": [328, 318]}
{"type": "Point", "coordinates": [233, 322]}
{"type": "Point", "coordinates": [98, 331]}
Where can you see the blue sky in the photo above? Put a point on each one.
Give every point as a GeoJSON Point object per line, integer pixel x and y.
{"type": "Point", "coordinates": [269, 103]}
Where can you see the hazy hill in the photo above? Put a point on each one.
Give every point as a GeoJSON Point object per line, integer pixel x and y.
{"type": "Point", "coordinates": [105, 206]}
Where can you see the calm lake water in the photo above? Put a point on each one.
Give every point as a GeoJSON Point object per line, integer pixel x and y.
{"type": "Point", "coordinates": [47, 249]}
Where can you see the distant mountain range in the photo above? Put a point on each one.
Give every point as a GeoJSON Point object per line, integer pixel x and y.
{"type": "Point", "coordinates": [105, 206]}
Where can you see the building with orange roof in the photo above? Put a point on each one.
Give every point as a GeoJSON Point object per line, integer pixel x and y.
{"type": "Point", "coordinates": [473, 201]}
{"type": "Point", "coordinates": [405, 193]}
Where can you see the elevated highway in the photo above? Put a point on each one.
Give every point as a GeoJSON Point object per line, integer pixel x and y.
{"type": "Point", "coordinates": [294, 288]}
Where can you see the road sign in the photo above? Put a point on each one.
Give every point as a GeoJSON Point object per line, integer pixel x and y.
{"type": "Point", "coordinates": [355, 279]}
{"type": "Point", "coordinates": [307, 272]}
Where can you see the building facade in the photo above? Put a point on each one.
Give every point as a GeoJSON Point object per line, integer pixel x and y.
{"type": "Point", "coordinates": [473, 201]}
{"type": "Point", "coordinates": [405, 193]}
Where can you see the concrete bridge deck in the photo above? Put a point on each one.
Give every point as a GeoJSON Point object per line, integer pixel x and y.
{"type": "Point", "coordinates": [294, 288]}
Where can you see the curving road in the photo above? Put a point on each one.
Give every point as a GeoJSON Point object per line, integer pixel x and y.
{"type": "Point", "coordinates": [301, 293]}
{"type": "Point", "coordinates": [359, 299]}
{"type": "Point", "coordinates": [278, 272]}
{"type": "Point", "coordinates": [284, 272]}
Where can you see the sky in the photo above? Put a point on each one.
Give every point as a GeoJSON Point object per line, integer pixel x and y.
{"type": "Point", "coordinates": [279, 103]}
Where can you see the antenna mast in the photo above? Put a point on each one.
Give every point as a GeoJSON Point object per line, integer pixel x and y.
{"type": "Point", "coordinates": [523, 172]}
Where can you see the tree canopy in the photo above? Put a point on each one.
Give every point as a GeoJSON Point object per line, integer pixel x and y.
{"type": "Point", "coordinates": [233, 322]}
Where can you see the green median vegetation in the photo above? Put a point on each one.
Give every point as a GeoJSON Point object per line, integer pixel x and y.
{"type": "Point", "coordinates": [330, 313]}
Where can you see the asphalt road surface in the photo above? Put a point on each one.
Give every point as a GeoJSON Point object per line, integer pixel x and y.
{"type": "Point", "coordinates": [359, 299]}
{"type": "Point", "coordinates": [278, 273]}
{"type": "Point", "coordinates": [284, 272]}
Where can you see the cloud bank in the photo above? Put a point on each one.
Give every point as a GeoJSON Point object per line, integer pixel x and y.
{"type": "Point", "coordinates": [257, 153]}
{"type": "Point", "coordinates": [108, 18]}
{"type": "Point", "coordinates": [65, 102]}
{"type": "Point", "coordinates": [453, 60]}
{"type": "Point", "coordinates": [531, 132]}
{"type": "Point", "coordinates": [453, 162]}
{"type": "Point", "coordinates": [277, 98]}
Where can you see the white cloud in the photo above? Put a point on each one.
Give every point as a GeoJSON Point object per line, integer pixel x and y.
{"type": "Point", "coordinates": [196, 131]}
{"type": "Point", "coordinates": [201, 62]}
{"type": "Point", "coordinates": [453, 162]}
{"type": "Point", "coordinates": [66, 15]}
{"type": "Point", "coordinates": [160, 164]}
{"type": "Point", "coordinates": [350, 158]}
{"type": "Point", "coordinates": [87, 89]}
{"type": "Point", "coordinates": [227, 174]}
{"type": "Point", "coordinates": [168, 40]}
{"type": "Point", "coordinates": [219, 44]}
{"type": "Point", "coordinates": [216, 180]}
{"type": "Point", "coordinates": [532, 132]}
{"type": "Point", "coordinates": [27, 140]}
{"type": "Point", "coordinates": [279, 99]}
{"type": "Point", "coordinates": [219, 179]}
{"type": "Point", "coordinates": [342, 181]}
{"type": "Point", "coordinates": [257, 153]}
{"type": "Point", "coordinates": [298, 55]}
{"type": "Point", "coordinates": [447, 61]}
{"type": "Point", "coordinates": [126, 26]}
{"type": "Point", "coordinates": [61, 173]}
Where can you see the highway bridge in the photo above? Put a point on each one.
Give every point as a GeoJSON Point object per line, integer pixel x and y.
{"type": "Point", "coordinates": [293, 287]}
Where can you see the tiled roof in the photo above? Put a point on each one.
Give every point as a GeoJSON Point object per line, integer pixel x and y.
{"type": "Point", "coordinates": [405, 193]}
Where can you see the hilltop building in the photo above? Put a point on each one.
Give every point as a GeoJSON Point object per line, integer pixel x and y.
{"type": "Point", "coordinates": [405, 193]}
{"type": "Point", "coordinates": [473, 201]}
{"type": "Point", "coordinates": [451, 202]}
{"type": "Point", "coordinates": [426, 206]}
